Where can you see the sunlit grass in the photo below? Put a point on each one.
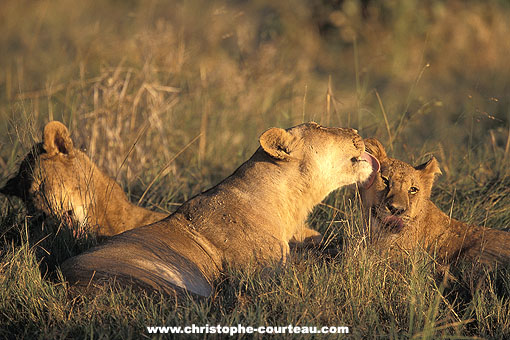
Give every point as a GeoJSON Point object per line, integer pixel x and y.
{"type": "Point", "coordinates": [169, 98]}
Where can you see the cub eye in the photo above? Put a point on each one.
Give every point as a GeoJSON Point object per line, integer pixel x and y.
{"type": "Point", "coordinates": [354, 159]}
{"type": "Point", "coordinates": [413, 190]}
{"type": "Point", "coordinates": [385, 180]}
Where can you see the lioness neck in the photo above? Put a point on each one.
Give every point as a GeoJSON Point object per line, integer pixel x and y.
{"type": "Point", "coordinates": [250, 212]}
{"type": "Point", "coordinates": [116, 214]}
{"type": "Point", "coordinates": [127, 217]}
{"type": "Point", "coordinates": [288, 194]}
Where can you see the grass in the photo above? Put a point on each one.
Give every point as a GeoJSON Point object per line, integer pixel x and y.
{"type": "Point", "coordinates": [170, 97]}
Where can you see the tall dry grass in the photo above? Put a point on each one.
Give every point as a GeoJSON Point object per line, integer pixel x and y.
{"type": "Point", "coordinates": [172, 96]}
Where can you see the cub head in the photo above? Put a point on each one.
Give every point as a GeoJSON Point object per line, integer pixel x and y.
{"type": "Point", "coordinates": [328, 158]}
{"type": "Point", "coordinates": [52, 178]}
{"type": "Point", "coordinates": [399, 192]}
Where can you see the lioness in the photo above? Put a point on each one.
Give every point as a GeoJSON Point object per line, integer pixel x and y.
{"type": "Point", "coordinates": [247, 218]}
{"type": "Point", "coordinates": [403, 216]}
{"type": "Point", "coordinates": [56, 178]}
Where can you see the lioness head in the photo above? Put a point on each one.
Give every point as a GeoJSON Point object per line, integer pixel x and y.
{"type": "Point", "coordinates": [399, 192]}
{"type": "Point", "coordinates": [331, 157]}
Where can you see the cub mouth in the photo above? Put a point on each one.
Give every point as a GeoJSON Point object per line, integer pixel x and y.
{"type": "Point", "coordinates": [392, 223]}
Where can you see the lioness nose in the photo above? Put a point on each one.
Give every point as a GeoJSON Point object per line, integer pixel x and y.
{"type": "Point", "coordinates": [396, 208]}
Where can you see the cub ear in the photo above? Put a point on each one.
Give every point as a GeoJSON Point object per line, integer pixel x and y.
{"type": "Point", "coordinates": [56, 139]}
{"type": "Point", "coordinates": [430, 168]}
{"type": "Point", "coordinates": [276, 143]}
{"type": "Point", "coordinates": [375, 148]}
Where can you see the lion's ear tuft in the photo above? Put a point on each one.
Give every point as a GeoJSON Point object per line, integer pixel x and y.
{"type": "Point", "coordinates": [276, 143]}
{"type": "Point", "coordinates": [430, 168]}
{"type": "Point", "coordinates": [56, 139]}
{"type": "Point", "coordinates": [375, 148]}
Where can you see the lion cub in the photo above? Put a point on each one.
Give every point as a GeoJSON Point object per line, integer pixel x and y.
{"type": "Point", "coordinates": [248, 218]}
{"type": "Point", "coordinates": [56, 178]}
{"type": "Point", "coordinates": [402, 216]}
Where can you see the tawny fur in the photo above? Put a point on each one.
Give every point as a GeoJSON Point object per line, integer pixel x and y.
{"type": "Point", "coordinates": [248, 218]}
{"type": "Point", "coordinates": [402, 218]}
{"type": "Point", "coordinates": [58, 179]}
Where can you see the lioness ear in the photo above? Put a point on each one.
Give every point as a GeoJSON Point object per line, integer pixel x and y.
{"type": "Point", "coordinates": [375, 148]}
{"type": "Point", "coordinates": [430, 168]}
{"type": "Point", "coordinates": [276, 143]}
{"type": "Point", "coordinates": [56, 139]}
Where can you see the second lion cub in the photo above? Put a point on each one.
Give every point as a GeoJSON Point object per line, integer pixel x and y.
{"type": "Point", "coordinates": [57, 179]}
{"type": "Point", "coordinates": [403, 217]}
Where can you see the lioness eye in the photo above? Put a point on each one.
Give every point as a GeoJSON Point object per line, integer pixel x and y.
{"type": "Point", "coordinates": [386, 181]}
{"type": "Point", "coordinates": [413, 190]}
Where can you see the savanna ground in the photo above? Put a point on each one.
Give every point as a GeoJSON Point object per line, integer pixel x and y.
{"type": "Point", "coordinates": [138, 81]}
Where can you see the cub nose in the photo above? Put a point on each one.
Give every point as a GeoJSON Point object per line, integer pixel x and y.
{"type": "Point", "coordinates": [395, 208]}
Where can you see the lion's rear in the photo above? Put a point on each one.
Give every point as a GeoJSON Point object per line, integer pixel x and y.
{"type": "Point", "coordinates": [153, 263]}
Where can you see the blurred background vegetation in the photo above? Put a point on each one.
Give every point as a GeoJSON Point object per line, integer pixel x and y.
{"type": "Point", "coordinates": [138, 81]}
{"type": "Point", "coordinates": [423, 76]}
